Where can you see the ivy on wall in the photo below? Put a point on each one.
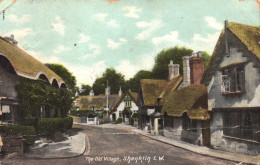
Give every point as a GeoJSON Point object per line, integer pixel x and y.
{"type": "Point", "coordinates": [36, 93]}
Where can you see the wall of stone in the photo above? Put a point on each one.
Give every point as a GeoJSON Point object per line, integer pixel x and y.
{"type": "Point", "coordinates": [12, 143]}
{"type": "Point", "coordinates": [177, 133]}
{"type": "Point", "coordinates": [218, 141]}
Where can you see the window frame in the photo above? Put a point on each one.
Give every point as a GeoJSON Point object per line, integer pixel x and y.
{"type": "Point", "coordinates": [233, 74]}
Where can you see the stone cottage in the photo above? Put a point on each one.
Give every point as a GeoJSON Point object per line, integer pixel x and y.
{"type": "Point", "coordinates": [125, 108]}
{"type": "Point", "coordinates": [233, 85]}
{"type": "Point", "coordinates": [185, 110]}
{"type": "Point", "coordinates": [14, 65]}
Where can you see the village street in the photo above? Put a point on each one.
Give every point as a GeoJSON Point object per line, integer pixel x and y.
{"type": "Point", "coordinates": [113, 143]}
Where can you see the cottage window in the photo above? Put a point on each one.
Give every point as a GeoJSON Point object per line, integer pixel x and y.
{"type": "Point", "coordinates": [242, 124]}
{"type": "Point", "coordinates": [189, 124]}
{"type": "Point", "coordinates": [233, 80]}
{"type": "Point", "coordinates": [6, 114]}
{"type": "Point", "coordinates": [93, 108]}
{"type": "Point", "coordinates": [120, 114]}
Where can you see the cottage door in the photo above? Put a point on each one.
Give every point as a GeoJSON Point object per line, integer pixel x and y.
{"type": "Point", "coordinates": [206, 133]}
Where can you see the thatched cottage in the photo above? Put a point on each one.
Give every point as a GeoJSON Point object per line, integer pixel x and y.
{"type": "Point", "coordinates": [14, 64]}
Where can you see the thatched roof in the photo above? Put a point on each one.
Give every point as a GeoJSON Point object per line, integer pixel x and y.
{"type": "Point", "coordinates": [192, 99]}
{"type": "Point", "coordinates": [151, 90]}
{"type": "Point", "coordinates": [100, 101]}
{"type": "Point", "coordinates": [171, 86]}
{"type": "Point", "coordinates": [247, 34]}
{"type": "Point", "coordinates": [25, 65]}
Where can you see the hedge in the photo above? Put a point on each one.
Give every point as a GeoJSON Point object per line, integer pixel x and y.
{"type": "Point", "coordinates": [51, 125]}
{"type": "Point", "coordinates": [119, 120]}
{"type": "Point", "coordinates": [28, 132]}
{"type": "Point", "coordinates": [80, 113]}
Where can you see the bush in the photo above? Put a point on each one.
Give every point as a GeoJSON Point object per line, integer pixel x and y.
{"type": "Point", "coordinates": [119, 120]}
{"type": "Point", "coordinates": [80, 113]}
{"type": "Point", "coordinates": [51, 125]}
{"type": "Point", "coordinates": [28, 132]}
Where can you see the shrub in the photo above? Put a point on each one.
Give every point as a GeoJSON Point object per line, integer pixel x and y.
{"type": "Point", "coordinates": [80, 113]}
{"type": "Point", "coordinates": [119, 120]}
{"type": "Point", "coordinates": [28, 132]}
{"type": "Point", "coordinates": [51, 125]}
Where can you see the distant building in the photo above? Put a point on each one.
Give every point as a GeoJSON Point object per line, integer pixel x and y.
{"type": "Point", "coordinates": [233, 85]}
{"type": "Point", "coordinates": [96, 103]}
{"type": "Point", "coordinates": [125, 108]}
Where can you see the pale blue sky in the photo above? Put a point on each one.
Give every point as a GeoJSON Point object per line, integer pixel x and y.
{"type": "Point", "coordinates": [87, 36]}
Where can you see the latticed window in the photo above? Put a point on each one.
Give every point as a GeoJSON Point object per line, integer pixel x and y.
{"type": "Point", "coordinates": [233, 79]}
{"type": "Point", "coordinates": [242, 124]}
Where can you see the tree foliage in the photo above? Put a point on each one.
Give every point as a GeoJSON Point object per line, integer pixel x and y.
{"type": "Point", "coordinates": [85, 89]}
{"type": "Point", "coordinates": [134, 83]}
{"type": "Point", "coordinates": [114, 79]}
{"type": "Point", "coordinates": [160, 69]}
{"type": "Point", "coordinates": [36, 93]}
{"type": "Point", "coordinates": [65, 74]}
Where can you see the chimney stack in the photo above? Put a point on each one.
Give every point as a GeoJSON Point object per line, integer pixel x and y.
{"type": "Point", "coordinates": [186, 71]}
{"type": "Point", "coordinates": [91, 93]}
{"type": "Point", "coordinates": [120, 92]}
{"type": "Point", "coordinates": [107, 91]}
{"type": "Point", "coordinates": [173, 70]}
{"type": "Point", "coordinates": [197, 68]}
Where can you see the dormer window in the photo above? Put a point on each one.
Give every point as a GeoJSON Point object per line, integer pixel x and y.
{"type": "Point", "coordinates": [233, 79]}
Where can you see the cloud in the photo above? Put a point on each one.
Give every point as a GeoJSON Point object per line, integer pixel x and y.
{"type": "Point", "coordinates": [58, 26]}
{"type": "Point", "coordinates": [205, 43]}
{"type": "Point", "coordinates": [84, 38]}
{"type": "Point", "coordinates": [172, 38]}
{"type": "Point", "coordinates": [149, 28]}
{"type": "Point", "coordinates": [22, 19]}
{"type": "Point", "coordinates": [101, 17]}
{"type": "Point", "coordinates": [114, 45]}
{"type": "Point", "coordinates": [112, 23]}
{"type": "Point", "coordinates": [95, 51]}
{"type": "Point", "coordinates": [212, 22]}
{"type": "Point", "coordinates": [132, 11]}
{"type": "Point", "coordinates": [20, 34]}
{"type": "Point", "coordinates": [87, 74]}
{"type": "Point", "coordinates": [45, 59]}
{"type": "Point", "coordinates": [60, 49]}
{"type": "Point", "coordinates": [127, 69]}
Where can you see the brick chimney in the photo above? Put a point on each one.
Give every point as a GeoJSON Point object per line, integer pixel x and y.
{"type": "Point", "coordinates": [173, 70]}
{"type": "Point", "coordinates": [197, 68]}
{"type": "Point", "coordinates": [186, 71]}
{"type": "Point", "coordinates": [91, 93]}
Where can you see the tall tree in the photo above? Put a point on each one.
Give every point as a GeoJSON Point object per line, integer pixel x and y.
{"type": "Point", "coordinates": [85, 89]}
{"type": "Point", "coordinates": [114, 79]}
{"type": "Point", "coordinates": [134, 83]}
{"type": "Point", "coordinates": [206, 56]}
{"type": "Point", "coordinates": [160, 69]}
{"type": "Point", "coordinates": [65, 74]}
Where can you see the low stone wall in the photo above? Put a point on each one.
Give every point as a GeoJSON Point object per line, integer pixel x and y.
{"type": "Point", "coordinates": [12, 143]}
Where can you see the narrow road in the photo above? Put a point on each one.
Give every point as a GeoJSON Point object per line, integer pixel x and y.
{"type": "Point", "coordinates": [117, 146]}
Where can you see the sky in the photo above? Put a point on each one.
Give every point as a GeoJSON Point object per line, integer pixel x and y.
{"type": "Point", "coordinates": [88, 36]}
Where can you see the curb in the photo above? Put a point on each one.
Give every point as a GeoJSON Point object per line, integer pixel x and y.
{"type": "Point", "coordinates": [60, 157]}
{"type": "Point", "coordinates": [204, 154]}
